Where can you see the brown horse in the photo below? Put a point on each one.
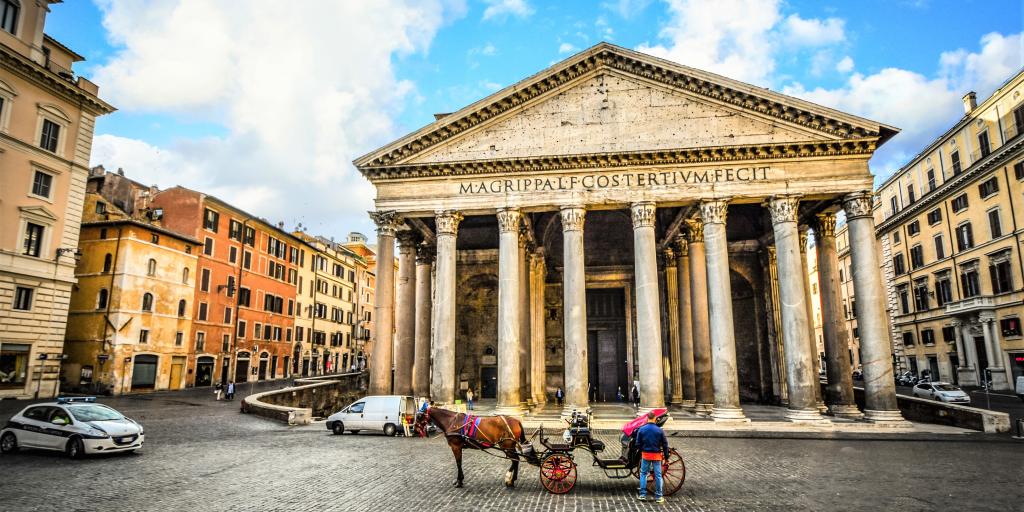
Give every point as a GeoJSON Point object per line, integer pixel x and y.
{"type": "Point", "coordinates": [479, 433]}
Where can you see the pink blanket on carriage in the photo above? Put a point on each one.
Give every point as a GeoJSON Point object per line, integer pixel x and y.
{"type": "Point", "coordinates": [641, 421]}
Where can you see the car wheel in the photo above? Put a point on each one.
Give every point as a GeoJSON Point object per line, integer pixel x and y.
{"type": "Point", "coordinates": [8, 443]}
{"type": "Point", "coordinates": [338, 428]}
{"type": "Point", "coordinates": [390, 429]}
{"type": "Point", "coordinates": [75, 449]}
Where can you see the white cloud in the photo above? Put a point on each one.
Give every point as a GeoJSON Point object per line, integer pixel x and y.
{"type": "Point", "coordinates": [300, 94]}
{"type": "Point", "coordinates": [626, 8]}
{"type": "Point", "coordinates": [567, 48]}
{"type": "Point", "coordinates": [813, 32]}
{"type": "Point", "coordinates": [845, 65]}
{"type": "Point", "coordinates": [502, 8]}
{"type": "Point", "coordinates": [487, 50]}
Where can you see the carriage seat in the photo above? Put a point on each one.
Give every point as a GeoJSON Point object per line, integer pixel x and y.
{"type": "Point", "coordinates": [596, 445]}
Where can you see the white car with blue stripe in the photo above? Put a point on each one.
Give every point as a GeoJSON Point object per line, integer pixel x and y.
{"type": "Point", "coordinates": [76, 426]}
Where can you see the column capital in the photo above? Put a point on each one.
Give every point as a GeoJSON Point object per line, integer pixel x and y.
{"type": "Point", "coordinates": [986, 317]}
{"type": "Point", "coordinates": [682, 245]}
{"type": "Point", "coordinates": [447, 222]}
{"type": "Point", "coordinates": [643, 214]}
{"type": "Point", "coordinates": [406, 240]}
{"type": "Point", "coordinates": [670, 257]}
{"type": "Point", "coordinates": [695, 230]}
{"type": "Point", "coordinates": [857, 205]}
{"type": "Point", "coordinates": [573, 218]}
{"type": "Point", "coordinates": [713, 211]}
{"type": "Point", "coordinates": [783, 208]}
{"type": "Point", "coordinates": [826, 225]}
{"type": "Point", "coordinates": [508, 220]}
{"type": "Point", "coordinates": [771, 254]}
{"type": "Point", "coordinates": [387, 221]}
{"type": "Point", "coordinates": [425, 254]}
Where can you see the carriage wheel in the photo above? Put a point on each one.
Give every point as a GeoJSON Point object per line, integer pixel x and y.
{"type": "Point", "coordinates": [673, 474]}
{"type": "Point", "coordinates": [558, 473]}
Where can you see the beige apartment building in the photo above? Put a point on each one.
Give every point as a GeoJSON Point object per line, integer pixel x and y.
{"type": "Point", "coordinates": [325, 310]}
{"type": "Point", "coordinates": [366, 296]}
{"type": "Point", "coordinates": [950, 227]}
{"type": "Point", "coordinates": [47, 116]}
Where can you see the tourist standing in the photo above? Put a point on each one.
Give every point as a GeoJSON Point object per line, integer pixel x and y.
{"type": "Point", "coordinates": [469, 399]}
{"type": "Point", "coordinates": [636, 396]}
{"type": "Point", "coordinates": [653, 445]}
{"type": "Point", "coordinates": [231, 390]}
{"type": "Point", "coordinates": [559, 395]}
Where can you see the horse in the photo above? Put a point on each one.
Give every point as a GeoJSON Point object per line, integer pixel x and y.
{"type": "Point", "coordinates": [479, 433]}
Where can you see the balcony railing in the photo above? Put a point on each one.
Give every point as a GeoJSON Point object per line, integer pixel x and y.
{"type": "Point", "coordinates": [971, 304]}
{"type": "Point", "coordinates": [61, 71]}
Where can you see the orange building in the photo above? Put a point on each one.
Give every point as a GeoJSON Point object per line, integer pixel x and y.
{"type": "Point", "coordinates": [243, 316]}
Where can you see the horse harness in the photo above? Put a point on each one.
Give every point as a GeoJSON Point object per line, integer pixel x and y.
{"type": "Point", "coordinates": [470, 429]}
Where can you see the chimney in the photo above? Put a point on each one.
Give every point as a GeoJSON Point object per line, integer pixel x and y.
{"type": "Point", "coordinates": [970, 102]}
{"type": "Point", "coordinates": [120, 171]}
{"type": "Point", "coordinates": [97, 171]}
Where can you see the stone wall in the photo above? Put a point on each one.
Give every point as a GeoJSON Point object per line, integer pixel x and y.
{"type": "Point", "coordinates": [939, 413]}
{"type": "Point", "coordinates": [309, 398]}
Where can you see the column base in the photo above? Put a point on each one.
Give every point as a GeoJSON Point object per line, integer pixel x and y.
{"type": "Point", "coordinates": [806, 416]}
{"type": "Point", "coordinates": [689, 405]}
{"type": "Point", "coordinates": [846, 411]}
{"type": "Point", "coordinates": [728, 414]}
{"type": "Point", "coordinates": [703, 410]}
{"type": "Point", "coordinates": [822, 408]}
{"type": "Point", "coordinates": [508, 410]}
{"type": "Point", "coordinates": [676, 400]}
{"type": "Point", "coordinates": [886, 418]}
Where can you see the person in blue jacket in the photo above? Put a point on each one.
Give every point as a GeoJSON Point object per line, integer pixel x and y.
{"type": "Point", "coordinates": [653, 445]}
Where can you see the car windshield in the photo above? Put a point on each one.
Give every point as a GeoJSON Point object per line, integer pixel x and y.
{"type": "Point", "coordinates": [946, 387]}
{"type": "Point", "coordinates": [94, 413]}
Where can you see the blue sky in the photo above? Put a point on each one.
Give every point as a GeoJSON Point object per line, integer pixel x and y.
{"type": "Point", "coordinates": [202, 87]}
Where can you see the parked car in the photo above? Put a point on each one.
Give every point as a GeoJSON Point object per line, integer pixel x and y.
{"type": "Point", "coordinates": [1020, 387]}
{"type": "Point", "coordinates": [373, 413]}
{"type": "Point", "coordinates": [941, 391]}
{"type": "Point", "coordinates": [77, 426]}
{"type": "Point", "coordinates": [906, 378]}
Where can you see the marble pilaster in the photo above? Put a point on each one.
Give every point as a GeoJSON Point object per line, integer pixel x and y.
{"type": "Point", "coordinates": [701, 332]}
{"type": "Point", "coordinates": [672, 294]}
{"type": "Point", "coordinates": [538, 367]}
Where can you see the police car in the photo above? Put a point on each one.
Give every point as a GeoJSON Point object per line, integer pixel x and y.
{"type": "Point", "coordinates": [77, 426]}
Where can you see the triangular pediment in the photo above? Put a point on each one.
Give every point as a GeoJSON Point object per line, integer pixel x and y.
{"type": "Point", "coordinates": [39, 212]}
{"type": "Point", "coordinates": [610, 100]}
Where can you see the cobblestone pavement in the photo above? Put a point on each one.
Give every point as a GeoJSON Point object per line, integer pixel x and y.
{"type": "Point", "coordinates": [205, 455]}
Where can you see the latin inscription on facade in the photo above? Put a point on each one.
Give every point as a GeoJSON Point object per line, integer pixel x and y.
{"type": "Point", "coordinates": [628, 180]}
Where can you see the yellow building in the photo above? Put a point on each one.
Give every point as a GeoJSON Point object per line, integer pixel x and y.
{"type": "Point", "coordinates": [46, 129]}
{"type": "Point", "coordinates": [950, 225]}
{"type": "Point", "coordinates": [131, 311]}
{"type": "Point", "coordinates": [325, 312]}
{"type": "Point", "coordinates": [366, 295]}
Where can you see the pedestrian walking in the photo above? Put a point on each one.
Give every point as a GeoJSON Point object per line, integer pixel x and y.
{"type": "Point", "coordinates": [618, 394]}
{"type": "Point", "coordinates": [231, 390]}
{"type": "Point", "coordinates": [635, 393]}
{"type": "Point", "coordinates": [559, 395]}
{"type": "Point", "coordinates": [218, 390]}
{"type": "Point", "coordinates": [653, 445]}
{"type": "Point", "coordinates": [469, 399]}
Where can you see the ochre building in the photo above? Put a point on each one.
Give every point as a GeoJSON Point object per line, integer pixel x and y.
{"type": "Point", "coordinates": [620, 220]}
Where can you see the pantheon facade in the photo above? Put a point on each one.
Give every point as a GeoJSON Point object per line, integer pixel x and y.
{"type": "Point", "coordinates": [619, 220]}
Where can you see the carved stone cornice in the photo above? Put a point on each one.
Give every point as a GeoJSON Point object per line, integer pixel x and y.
{"type": "Point", "coordinates": [826, 225]}
{"type": "Point", "coordinates": [857, 205]}
{"type": "Point", "coordinates": [683, 156]}
{"type": "Point", "coordinates": [714, 211]}
{"type": "Point", "coordinates": [682, 246]}
{"type": "Point", "coordinates": [508, 220]}
{"type": "Point", "coordinates": [643, 214]}
{"type": "Point", "coordinates": [47, 79]}
{"type": "Point", "coordinates": [573, 218]}
{"type": "Point", "coordinates": [407, 240]}
{"type": "Point", "coordinates": [783, 208]}
{"type": "Point", "coordinates": [608, 57]}
{"type": "Point", "coordinates": [425, 254]}
{"type": "Point", "coordinates": [695, 230]}
{"type": "Point", "coordinates": [387, 221]}
{"type": "Point", "coordinates": [447, 222]}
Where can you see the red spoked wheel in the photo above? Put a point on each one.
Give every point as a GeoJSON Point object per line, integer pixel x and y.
{"type": "Point", "coordinates": [558, 473]}
{"type": "Point", "coordinates": [673, 474]}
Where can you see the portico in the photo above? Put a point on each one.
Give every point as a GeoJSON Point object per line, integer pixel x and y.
{"type": "Point", "coordinates": [606, 224]}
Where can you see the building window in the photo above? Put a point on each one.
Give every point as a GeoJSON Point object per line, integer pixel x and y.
{"type": "Point", "coordinates": [298, 333]}
{"type": "Point", "coordinates": [266, 331]}
{"type": "Point", "coordinates": [147, 301]}
{"type": "Point", "coordinates": [993, 223]}
{"type": "Point", "coordinates": [928, 337]}
{"type": "Point", "coordinates": [931, 180]}
{"type": "Point", "coordinates": [210, 220]}
{"type": "Point", "coordinates": [921, 295]}
{"type": "Point", "coordinates": [23, 298]}
{"type": "Point", "coordinates": [9, 15]}
{"type": "Point", "coordinates": [181, 307]}
{"type": "Point", "coordinates": [243, 297]}
{"type": "Point", "coordinates": [1010, 326]}
{"type": "Point", "coordinates": [151, 267]}
{"type": "Point", "coordinates": [969, 280]}
{"type": "Point", "coordinates": [988, 187]}
{"type": "Point", "coordinates": [227, 315]}
{"type": "Point", "coordinates": [101, 208]}
{"type": "Point", "coordinates": [13, 365]}
{"type": "Point", "coordinates": [225, 343]}
{"type": "Point", "coordinates": [955, 158]}
{"type": "Point", "coordinates": [208, 246]}
{"type": "Point", "coordinates": [32, 245]}
{"type": "Point", "coordinates": [959, 203]}
{"type": "Point", "coordinates": [204, 280]}
{"type": "Point", "coordinates": [934, 217]}
{"type": "Point", "coordinates": [235, 230]}
{"type": "Point", "coordinates": [999, 271]}
{"type": "Point", "coordinates": [143, 336]}
{"type": "Point", "coordinates": [179, 339]}
{"type": "Point", "coordinates": [913, 228]}
{"type": "Point", "coordinates": [49, 136]}
{"type": "Point", "coordinates": [904, 293]}
{"type": "Point", "coordinates": [898, 265]}
{"type": "Point", "coordinates": [1018, 170]}
{"type": "Point", "coordinates": [257, 331]}
{"type": "Point", "coordinates": [250, 237]}
{"type": "Point", "coordinates": [184, 275]}
{"type": "Point", "coordinates": [101, 298]}
{"type": "Point", "coordinates": [103, 234]}
{"type": "Point", "coordinates": [964, 237]}
{"type": "Point", "coordinates": [911, 197]}
{"type": "Point", "coordinates": [916, 257]}
{"type": "Point", "coordinates": [232, 254]}
{"type": "Point", "coordinates": [240, 331]}
{"type": "Point", "coordinates": [894, 205]}
{"type": "Point", "coordinates": [949, 334]}
{"type": "Point", "coordinates": [908, 339]}
{"type": "Point", "coordinates": [247, 260]}
{"type": "Point", "coordinates": [107, 261]}
{"type": "Point", "coordinates": [202, 311]}
{"type": "Point", "coordinates": [155, 238]}
{"type": "Point", "coordinates": [940, 247]}
{"type": "Point", "coordinates": [230, 287]}
{"type": "Point", "coordinates": [41, 184]}
{"type": "Point", "coordinates": [200, 341]}
{"type": "Point", "coordinates": [983, 144]}
{"type": "Point", "coordinates": [943, 290]}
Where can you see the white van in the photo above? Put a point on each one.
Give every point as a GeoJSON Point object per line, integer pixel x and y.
{"type": "Point", "coordinates": [1020, 387]}
{"type": "Point", "coordinates": [373, 413]}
